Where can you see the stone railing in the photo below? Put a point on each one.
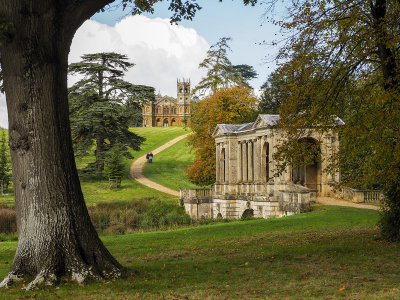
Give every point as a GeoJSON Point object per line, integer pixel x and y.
{"type": "Point", "coordinates": [188, 195]}
{"type": "Point", "coordinates": [361, 196]}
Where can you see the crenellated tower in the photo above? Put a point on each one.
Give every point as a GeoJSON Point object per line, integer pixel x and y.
{"type": "Point", "coordinates": [183, 92]}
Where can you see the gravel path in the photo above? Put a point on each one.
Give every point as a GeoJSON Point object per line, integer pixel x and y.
{"type": "Point", "coordinates": [137, 166]}
{"type": "Point", "coordinates": [333, 201]}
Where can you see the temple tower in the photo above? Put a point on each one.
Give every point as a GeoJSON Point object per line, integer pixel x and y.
{"type": "Point", "coordinates": [183, 92]}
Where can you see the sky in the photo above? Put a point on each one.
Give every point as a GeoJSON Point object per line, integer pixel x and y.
{"type": "Point", "coordinates": [162, 52]}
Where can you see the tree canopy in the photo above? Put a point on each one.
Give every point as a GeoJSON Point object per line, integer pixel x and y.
{"type": "Point", "coordinates": [233, 105]}
{"type": "Point", "coordinates": [98, 111]}
{"type": "Point", "coordinates": [342, 58]}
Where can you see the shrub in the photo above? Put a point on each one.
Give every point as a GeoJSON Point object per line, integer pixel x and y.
{"type": "Point", "coordinates": [137, 214]}
{"type": "Point", "coordinates": [8, 220]}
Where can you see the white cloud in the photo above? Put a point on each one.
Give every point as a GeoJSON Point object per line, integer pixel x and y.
{"type": "Point", "coordinates": [162, 52]}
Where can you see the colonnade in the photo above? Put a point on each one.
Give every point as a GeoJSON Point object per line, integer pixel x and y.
{"type": "Point", "coordinates": [247, 161]}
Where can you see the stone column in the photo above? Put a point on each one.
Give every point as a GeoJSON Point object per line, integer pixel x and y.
{"type": "Point", "coordinates": [245, 161]}
{"type": "Point", "coordinates": [240, 162]}
{"type": "Point", "coordinates": [257, 160]}
{"type": "Point", "coordinates": [217, 163]}
{"type": "Point", "coordinates": [250, 160]}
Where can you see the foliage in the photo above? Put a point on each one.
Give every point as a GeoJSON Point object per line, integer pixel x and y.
{"type": "Point", "coordinates": [272, 96]}
{"type": "Point", "coordinates": [113, 164]}
{"type": "Point", "coordinates": [101, 106]}
{"type": "Point", "coordinates": [148, 213]}
{"type": "Point", "coordinates": [342, 58]}
{"type": "Point", "coordinates": [5, 167]}
{"type": "Point", "coordinates": [247, 72]}
{"type": "Point", "coordinates": [220, 71]}
{"type": "Point", "coordinates": [227, 106]}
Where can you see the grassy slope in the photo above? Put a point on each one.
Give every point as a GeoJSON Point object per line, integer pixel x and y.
{"type": "Point", "coordinates": [329, 253]}
{"type": "Point", "coordinates": [168, 166]}
{"type": "Point", "coordinates": [97, 191]}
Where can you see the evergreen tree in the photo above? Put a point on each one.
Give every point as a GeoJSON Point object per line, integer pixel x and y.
{"type": "Point", "coordinates": [220, 71]}
{"type": "Point", "coordinates": [102, 106]}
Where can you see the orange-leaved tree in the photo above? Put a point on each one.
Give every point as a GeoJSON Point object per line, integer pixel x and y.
{"type": "Point", "coordinates": [233, 105]}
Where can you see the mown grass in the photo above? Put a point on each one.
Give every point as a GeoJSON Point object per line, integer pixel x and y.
{"type": "Point", "coordinates": [98, 190]}
{"type": "Point", "coordinates": [168, 167]}
{"type": "Point", "coordinates": [334, 252]}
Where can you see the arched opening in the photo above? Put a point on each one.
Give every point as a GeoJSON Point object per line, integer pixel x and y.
{"type": "Point", "coordinates": [265, 162]}
{"type": "Point", "coordinates": [223, 166]}
{"type": "Point", "coordinates": [173, 122]}
{"type": "Point", "coordinates": [165, 122]}
{"type": "Point", "coordinates": [308, 171]}
{"type": "Point", "coordinates": [158, 122]}
{"type": "Point", "coordinates": [248, 213]}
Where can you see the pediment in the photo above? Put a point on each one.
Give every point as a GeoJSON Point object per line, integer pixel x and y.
{"type": "Point", "coordinates": [217, 131]}
{"type": "Point", "coordinates": [258, 123]}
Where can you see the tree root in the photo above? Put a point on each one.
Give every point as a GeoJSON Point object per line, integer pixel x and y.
{"type": "Point", "coordinates": [9, 280]}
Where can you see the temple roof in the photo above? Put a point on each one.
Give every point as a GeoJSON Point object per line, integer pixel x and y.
{"type": "Point", "coordinates": [262, 121]}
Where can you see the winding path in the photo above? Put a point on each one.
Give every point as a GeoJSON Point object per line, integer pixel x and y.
{"type": "Point", "coordinates": [137, 167]}
{"type": "Point", "coordinates": [333, 201]}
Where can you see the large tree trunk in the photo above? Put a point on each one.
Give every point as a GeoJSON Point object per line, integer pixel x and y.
{"type": "Point", "coordinates": [56, 236]}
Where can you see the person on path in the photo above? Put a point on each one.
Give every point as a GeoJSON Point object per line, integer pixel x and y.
{"type": "Point", "coordinates": [151, 157]}
{"type": "Point", "coordinates": [147, 157]}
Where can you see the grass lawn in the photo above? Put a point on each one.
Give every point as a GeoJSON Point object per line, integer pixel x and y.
{"type": "Point", "coordinates": [98, 190]}
{"type": "Point", "coordinates": [333, 252]}
{"type": "Point", "coordinates": [168, 167]}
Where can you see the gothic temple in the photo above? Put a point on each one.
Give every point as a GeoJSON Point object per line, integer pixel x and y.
{"type": "Point", "coordinates": [167, 111]}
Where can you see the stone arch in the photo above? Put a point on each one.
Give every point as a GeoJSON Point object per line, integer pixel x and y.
{"type": "Point", "coordinates": [309, 174]}
{"type": "Point", "coordinates": [166, 123]}
{"type": "Point", "coordinates": [173, 122]}
{"type": "Point", "coordinates": [248, 213]}
{"type": "Point", "coordinates": [265, 163]}
{"type": "Point", "coordinates": [158, 122]}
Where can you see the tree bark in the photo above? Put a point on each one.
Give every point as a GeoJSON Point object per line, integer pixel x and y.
{"type": "Point", "coordinates": [55, 234]}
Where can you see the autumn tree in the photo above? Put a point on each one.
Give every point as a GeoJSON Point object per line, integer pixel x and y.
{"type": "Point", "coordinates": [220, 71]}
{"type": "Point", "coordinates": [98, 106]}
{"type": "Point", "coordinates": [227, 106]}
{"type": "Point", "coordinates": [343, 58]}
{"type": "Point", "coordinates": [55, 234]}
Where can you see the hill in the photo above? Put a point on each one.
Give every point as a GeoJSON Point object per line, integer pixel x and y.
{"type": "Point", "coordinates": [98, 190]}
{"type": "Point", "coordinates": [332, 252]}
